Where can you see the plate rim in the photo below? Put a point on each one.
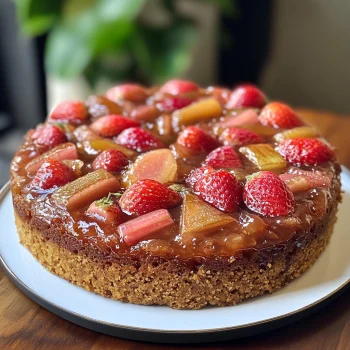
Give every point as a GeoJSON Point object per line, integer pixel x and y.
{"type": "Point", "coordinates": [152, 334]}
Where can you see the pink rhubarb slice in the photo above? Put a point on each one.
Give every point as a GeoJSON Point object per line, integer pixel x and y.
{"type": "Point", "coordinates": [145, 226]}
{"type": "Point", "coordinates": [246, 117]}
{"type": "Point", "coordinates": [66, 151]}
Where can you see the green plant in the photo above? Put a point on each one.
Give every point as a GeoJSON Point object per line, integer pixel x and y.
{"type": "Point", "coordinates": [109, 38]}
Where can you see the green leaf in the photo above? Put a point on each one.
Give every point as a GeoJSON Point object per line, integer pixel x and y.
{"type": "Point", "coordinates": [37, 16]}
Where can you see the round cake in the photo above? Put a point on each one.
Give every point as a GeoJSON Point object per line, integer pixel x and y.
{"type": "Point", "coordinates": [175, 195]}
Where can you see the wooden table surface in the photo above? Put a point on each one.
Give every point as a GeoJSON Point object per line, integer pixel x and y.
{"type": "Point", "coordinates": [25, 325]}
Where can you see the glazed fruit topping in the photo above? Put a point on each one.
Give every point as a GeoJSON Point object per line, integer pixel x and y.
{"type": "Point", "coordinates": [52, 174]}
{"type": "Point", "coordinates": [173, 103]}
{"type": "Point", "coordinates": [246, 117]}
{"type": "Point", "coordinates": [221, 189]}
{"type": "Point", "coordinates": [106, 209]}
{"type": "Point", "coordinates": [70, 111]}
{"type": "Point", "coordinates": [111, 160]}
{"type": "Point", "coordinates": [98, 106]}
{"type": "Point", "coordinates": [139, 140]}
{"type": "Point", "coordinates": [246, 96]}
{"type": "Point", "coordinates": [279, 115]}
{"type": "Point", "coordinates": [148, 195]}
{"type": "Point", "coordinates": [197, 140]}
{"type": "Point", "coordinates": [86, 189]}
{"type": "Point", "coordinates": [305, 151]}
{"type": "Point", "coordinates": [177, 87]}
{"type": "Point", "coordinates": [144, 113]}
{"type": "Point", "coordinates": [84, 133]}
{"type": "Point", "coordinates": [239, 137]}
{"type": "Point", "coordinates": [65, 151]}
{"type": "Point", "coordinates": [223, 157]}
{"type": "Point", "coordinates": [300, 132]}
{"type": "Point", "coordinates": [145, 226]}
{"type": "Point", "coordinates": [112, 125]}
{"type": "Point", "coordinates": [94, 147]}
{"type": "Point", "coordinates": [197, 174]}
{"type": "Point", "coordinates": [48, 136]}
{"type": "Point", "coordinates": [129, 92]}
{"type": "Point", "coordinates": [266, 194]}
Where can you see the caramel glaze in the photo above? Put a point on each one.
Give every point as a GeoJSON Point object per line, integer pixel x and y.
{"type": "Point", "coordinates": [250, 238]}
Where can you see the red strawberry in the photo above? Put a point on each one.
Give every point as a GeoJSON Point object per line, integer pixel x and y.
{"type": "Point", "coordinates": [148, 195]}
{"type": "Point", "coordinates": [197, 174]}
{"type": "Point", "coordinates": [300, 151]}
{"type": "Point", "coordinates": [197, 140]}
{"type": "Point", "coordinates": [70, 111]}
{"type": "Point", "coordinates": [223, 157]}
{"type": "Point", "coordinates": [171, 104]}
{"type": "Point", "coordinates": [111, 160]}
{"type": "Point", "coordinates": [279, 115]}
{"type": "Point", "coordinates": [49, 136]}
{"type": "Point", "coordinates": [139, 139]}
{"type": "Point", "coordinates": [239, 137]}
{"type": "Point", "coordinates": [130, 92]}
{"type": "Point", "coordinates": [221, 189]}
{"type": "Point", "coordinates": [106, 209]}
{"type": "Point", "coordinates": [246, 96]}
{"type": "Point", "coordinates": [112, 125]}
{"type": "Point", "coordinates": [52, 174]}
{"type": "Point", "coordinates": [176, 87]}
{"type": "Point", "coordinates": [266, 194]}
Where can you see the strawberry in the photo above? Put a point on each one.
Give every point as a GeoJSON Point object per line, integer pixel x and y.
{"type": "Point", "coordinates": [239, 137]}
{"type": "Point", "coordinates": [48, 136]}
{"type": "Point", "coordinates": [70, 111]}
{"type": "Point", "coordinates": [305, 151]}
{"type": "Point", "coordinates": [52, 174]}
{"type": "Point", "coordinates": [266, 194]}
{"type": "Point", "coordinates": [130, 92]}
{"type": "Point", "coordinates": [106, 209]}
{"type": "Point", "coordinates": [111, 160]}
{"type": "Point", "coordinates": [279, 115]}
{"type": "Point", "coordinates": [172, 104]}
{"type": "Point", "coordinates": [112, 125]}
{"type": "Point", "coordinates": [221, 189]}
{"type": "Point", "coordinates": [148, 195]}
{"type": "Point", "coordinates": [197, 174]}
{"type": "Point", "coordinates": [139, 139]}
{"type": "Point", "coordinates": [246, 95]}
{"type": "Point", "coordinates": [197, 140]}
{"type": "Point", "coordinates": [176, 87]}
{"type": "Point", "coordinates": [223, 157]}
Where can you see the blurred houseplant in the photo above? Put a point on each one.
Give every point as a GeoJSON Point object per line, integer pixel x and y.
{"type": "Point", "coordinates": [114, 39]}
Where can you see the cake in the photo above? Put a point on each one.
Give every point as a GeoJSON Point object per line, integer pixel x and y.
{"type": "Point", "coordinates": [175, 195]}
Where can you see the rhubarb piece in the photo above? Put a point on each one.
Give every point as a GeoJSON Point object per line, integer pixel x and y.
{"type": "Point", "coordinates": [265, 131]}
{"type": "Point", "coordinates": [198, 217]}
{"type": "Point", "coordinates": [239, 137]}
{"type": "Point", "coordinates": [202, 110]}
{"type": "Point", "coordinates": [300, 132]}
{"type": "Point", "coordinates": [76, 165]}
{"type": "Point", "coordinates": [86, 189]}
{"type": "Point", "coordinates": [48, 136]}
{"type": "Point", "coordinates": [246, 95]}
{"type": "Point", "coordinates": [111, 160]}
{"type": "Point", "coordinates": [176, 87]}
{"type": "Point", "coordinates": [164, 124]}
{"type": "Point", "coordinates": [219, 93]}
{"type": "Point", "coordinates": [65, 151]}
{"type": "Point", "coordinates": [159, 165]}
{"type": "Point", "coordinates": [266, 194]}
{"type": "Point", "coordinates": [301, 180]}
{"type": "Point", "coordinates": [223, 157]}
{"type": "Point", "coordinates": [112, 125]}
{"type": "Point", "coordinates": [93, 147]}
{"type": "Point", "coordinates": [129, 92]}
{"type": "Point", "coordinates": [145, 226]}
{"type": "Point", "coordinates": [264, 157]}
{"type": "Point", "coordinates": [106, 209]}
{"type": "Point", "coordinates": [98, 106]}
{"type": "Point", "coordinates": [70, 111]}
{"type": "Point", "coordinates": [145, 113]}
{"type": "Point", "coordinates": [245, 117]}
{"type": "Point", "coordinates": [148, 195]}
{"type": "Point", "coordinates": [172, 104]}
{"type": "Point", "coordinates": [84, 133]}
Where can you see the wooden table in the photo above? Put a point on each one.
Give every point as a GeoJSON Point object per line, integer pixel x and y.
{"type": "Point", "coordinates": [25, 325]}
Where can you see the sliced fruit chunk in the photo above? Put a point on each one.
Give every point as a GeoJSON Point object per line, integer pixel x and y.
{"type": "Point", "coordinates": [94, 147]}
{"type": "Point", "coordinates": [264, 157]}
{"type": "Point", "coordinates": [70, 111]}
{"type": "Point", "coordinates": [159, 165]}
{"type": "Point", "coordinates": [106, 209]}
{"type": "Point", "coordinates": [239, 137]}
{"type": "Point", "coordinates": [176, 87]}
{"type": "Point", "coordinates": [130, 92]}
{"type": "Point", "coordinates": [246, 95]}
{"type": "Point", "coordinates": [172, 104]}
{"type": "Point", "coordinates": [164, 125]}
{"type": "Point", "coordinates": [198, 217]}
{"type": "Point", "coordinates": [144, 113]}
{"type": "Point", "coordinates": [300, 132]}
{"type": "Point", "coordinates": [265, 131]}
{"type": "Point", "coordinates": [98, 106]}
{"type": "Point", "coordinates": [148, 195]}
{"type": "Point", "coordinates": [266, 194]}
{"type": "Point", "coordinates": [86, 189]}
{"type": "Point", "coordinates": [112, 125]}
{"type": "Point", "coordinates": [48, 136]}
{"type": "Point", "coordinates": [219, 93]}
{"type": "Point", "coordinates": [76, 165]}
{"type": "Point", "coordinates": [197, 174]}
{"type": "Point", "coordinates": [66, 151]}
{"type": "Point", "coordinates": [246, 117]}
{"type": "Point", "coordinates": [84, 133]}
{"type": "Point", "coordinates": [202, 110]}
{"type": "Point", "coordinates": [145, 226]}
{"type": "Point", "coordinates": [223, 157]}
{"type": "Point", "coordinates": [111, 160]}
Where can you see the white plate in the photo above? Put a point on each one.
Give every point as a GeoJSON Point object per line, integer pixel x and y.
{"type": "Point", "coordinates": [323, 280]}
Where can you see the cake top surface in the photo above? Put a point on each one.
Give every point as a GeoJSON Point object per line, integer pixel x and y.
{"type": "Point", "coordinates": [176, 170]}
